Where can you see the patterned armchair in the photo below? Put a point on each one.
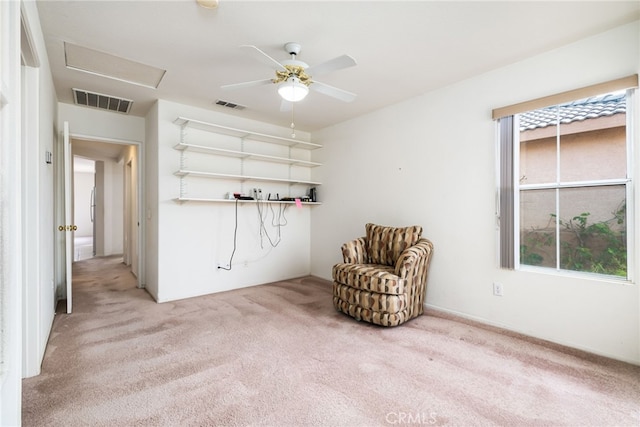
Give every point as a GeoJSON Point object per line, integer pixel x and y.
{"type": "Point", "coordinates": [384, 275]}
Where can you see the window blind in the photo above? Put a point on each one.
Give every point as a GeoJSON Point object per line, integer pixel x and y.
{"type": "Point", "coordinates": [506, 192]}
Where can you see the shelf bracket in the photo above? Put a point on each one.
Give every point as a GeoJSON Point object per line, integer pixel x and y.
{"type": "Point", "coordinates": [183, 187]}
{"type": "Point", "coordinates": [242, 164]}
{"type": "Point", "coordinates": [183, 133]}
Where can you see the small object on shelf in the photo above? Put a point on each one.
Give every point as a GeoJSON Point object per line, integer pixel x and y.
{"type": "Point", "coordinates": [237, 195]}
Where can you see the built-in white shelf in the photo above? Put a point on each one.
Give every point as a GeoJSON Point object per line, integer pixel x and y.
{"type": "Point", "coordinates": [241, 133]}
{"type": "Point", "coordinates": [244, 155]}
{"type": "Point", "coordinates": [242, 178]}
{"type": "Point", "coordinates": [282, 202]}
{"type": "Point", "coordinates": [239, 152]}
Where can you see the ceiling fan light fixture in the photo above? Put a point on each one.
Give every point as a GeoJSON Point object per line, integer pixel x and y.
{"type": "Point", "coordinates": [292, 90]}
{"type": "Point", "coordinates": [208, 4]}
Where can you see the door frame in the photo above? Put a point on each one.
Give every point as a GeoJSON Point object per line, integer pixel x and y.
{"type": "Point", "coordinates": [140, 193]}
{"type": "Point", "coordinates": [67, 226]}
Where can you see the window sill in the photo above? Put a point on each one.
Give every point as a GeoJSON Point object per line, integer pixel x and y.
{"type": "Point", "coordinates": [601, 278]}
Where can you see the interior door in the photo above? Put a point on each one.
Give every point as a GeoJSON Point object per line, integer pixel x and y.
{"type": "Point", "coordinates": [68, 216]}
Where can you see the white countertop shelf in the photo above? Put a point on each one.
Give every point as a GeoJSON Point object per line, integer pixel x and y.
{"type": "Point", "coordinates": [242, 178]}
{"type": "Point", "coordinates": [196, 199]}
{"type": "Point", "coordinates": [243, 155]}
{"type": "Point", "coordinates": [241, 133]}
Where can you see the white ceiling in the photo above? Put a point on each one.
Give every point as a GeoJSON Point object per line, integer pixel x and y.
{"type": "Point", "coordinates": [403, 49]}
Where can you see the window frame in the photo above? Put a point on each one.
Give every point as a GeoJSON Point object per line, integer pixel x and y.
{"type": "Point", "coordinates": [503, 211]}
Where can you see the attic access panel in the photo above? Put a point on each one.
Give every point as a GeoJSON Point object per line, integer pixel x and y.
{"type": "Point", "coordinates": [114, 67]}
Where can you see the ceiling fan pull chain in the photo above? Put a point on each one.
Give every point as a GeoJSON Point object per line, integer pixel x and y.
{"type": "Point", "coordinates": [293, 125]}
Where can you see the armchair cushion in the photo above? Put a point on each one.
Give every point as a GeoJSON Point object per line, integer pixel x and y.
{"type": "Point", "coordinates": [369, 302]}
{"type": "Point", "coordinates": [385, 244]}
{"type": "Point", "coordinates": [355, 251]}
{"type": "Point", "coordinates": [369, 277]}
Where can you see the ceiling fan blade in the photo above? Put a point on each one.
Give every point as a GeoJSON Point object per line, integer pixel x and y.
{"type": "Point", "coordinates": [263, 57]}
{"type": "Point", "coordinates": [334, 92]}
{"type": "Point", "coordinates": [246, 84]}
{"type": "Point", "coordinates": [334, 64]}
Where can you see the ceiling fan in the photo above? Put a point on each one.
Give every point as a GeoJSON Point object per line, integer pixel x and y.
{"type": "Point", "coordinates": [294, 78]}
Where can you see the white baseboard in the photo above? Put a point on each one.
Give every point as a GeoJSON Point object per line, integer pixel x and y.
{"type": "Point", "coordinates": [511, 328]}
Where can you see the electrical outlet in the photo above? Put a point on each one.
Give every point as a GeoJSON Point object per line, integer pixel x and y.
{"type": "Point", "coordinates": [497, 289]}
{"type": "Point", "coordinates": [256, 193]}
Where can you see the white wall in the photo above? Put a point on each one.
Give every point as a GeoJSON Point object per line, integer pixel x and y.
{"type": "Point", "coordinates": [100, 124]}
{"type": "Point", "coordinates": [131, 163]}
{"type": "Point", "coordinates": [26, 184]}
{"type": "Point", "coordinates": [114, 208]}
{"type": "Point", "coordinates": [83, 183]}
{"type": "Point", "coordinates": [38, 214]}
{"type": "Point", "coordinates": [109, 207]}
{"type": "Point", "coordinates": [430, 161]}
{"type": "Point", "coordinates": [10, 217]}
{"type": "Point", "coordinates": [150, 204]}
{"type": "Point", "coordinates": [192, 239]}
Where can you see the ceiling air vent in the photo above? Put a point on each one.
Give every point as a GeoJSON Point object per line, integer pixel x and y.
{"type": "Point", "coordinates": [101, 101]}
{"type": "Point", "coordinates": [230, 105]}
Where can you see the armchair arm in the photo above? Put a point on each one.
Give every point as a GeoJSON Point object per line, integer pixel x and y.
{"type": "Point", "coordinates": [412, 258]}
{"type": "Point", "coordinates": [355, 251]}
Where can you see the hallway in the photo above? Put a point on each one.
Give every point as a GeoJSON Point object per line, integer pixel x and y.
{"type": "Point", "coordinates": [96, 275]}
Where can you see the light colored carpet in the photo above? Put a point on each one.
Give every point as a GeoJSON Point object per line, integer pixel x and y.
{"type": "Point", "coordinates": [280, 355]}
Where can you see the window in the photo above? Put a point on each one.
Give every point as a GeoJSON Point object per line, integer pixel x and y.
{"type": "Point", "coordinates": [565, 193]}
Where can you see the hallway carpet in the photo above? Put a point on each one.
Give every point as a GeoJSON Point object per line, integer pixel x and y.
{"type": "Point", "coordinates": [280, 355]}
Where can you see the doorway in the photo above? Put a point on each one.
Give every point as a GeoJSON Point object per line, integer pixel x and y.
{"type": "Point", "coordinates": [84, 206]}
{"type": "Point", "coordinates": [105, 203]}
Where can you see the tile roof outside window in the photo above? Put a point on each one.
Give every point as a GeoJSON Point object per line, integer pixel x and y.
{"type": "Point", "coordinates": [588, 108]}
